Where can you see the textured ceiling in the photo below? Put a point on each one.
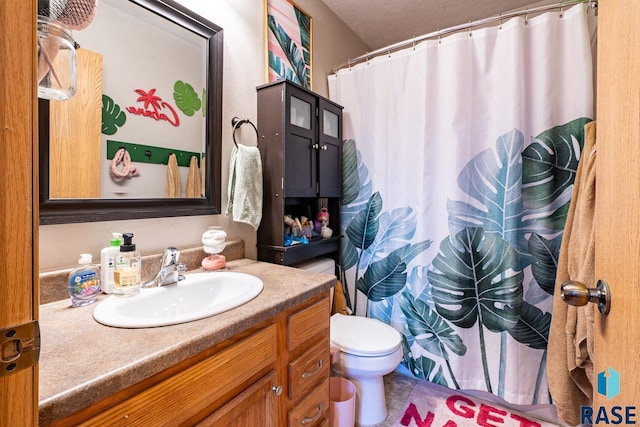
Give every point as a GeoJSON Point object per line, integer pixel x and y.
{"type": "Point", "coordinates": [380, 23]}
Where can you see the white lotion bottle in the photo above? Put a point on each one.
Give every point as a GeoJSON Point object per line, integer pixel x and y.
{"type": "Point", "coordinates": [108, 262]}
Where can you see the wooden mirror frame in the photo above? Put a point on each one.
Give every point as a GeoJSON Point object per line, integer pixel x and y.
{"type": "Point", "coordinates": [63, 211]}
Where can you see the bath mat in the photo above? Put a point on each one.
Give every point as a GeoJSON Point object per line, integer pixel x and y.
{"type": "Point", "coordinates": [431, 405]}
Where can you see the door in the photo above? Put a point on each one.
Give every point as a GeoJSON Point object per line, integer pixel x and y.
{"type": "Point", "coordinates": [617, 342]}
{"type": "Point", "coordinates": [300, 143]}
{"type": "Point", "coordinates": [329, 149]}
{"type": "Point", "coordinates": [254, 407]}
{"type": "Point", "coordinates": [18, 225]}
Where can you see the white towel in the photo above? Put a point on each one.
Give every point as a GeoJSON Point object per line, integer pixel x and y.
{"type": "Point", "coordinates": [245, 185]}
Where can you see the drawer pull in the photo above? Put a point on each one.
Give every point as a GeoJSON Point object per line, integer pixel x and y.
{"type": "Point", "coordinates": [277, 390]}
{"type": "Point", "coordinates": [315, 417]}
{"type": "Point", "coordinates": [308, 374]}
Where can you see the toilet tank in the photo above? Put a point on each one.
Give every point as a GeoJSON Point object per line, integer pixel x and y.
{"type": "Point", "coordinates": [319, 265]}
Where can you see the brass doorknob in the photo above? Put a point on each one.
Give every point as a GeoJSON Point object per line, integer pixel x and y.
{"type": "Point", "coordinates": [577, 294]}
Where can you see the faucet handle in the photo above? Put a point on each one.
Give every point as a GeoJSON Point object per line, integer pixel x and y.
{"type": "Point", "coordinates": [171, 256]}
{"type": "Point", "coordinates": [181, 268]}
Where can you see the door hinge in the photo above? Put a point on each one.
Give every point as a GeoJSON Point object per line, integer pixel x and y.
{"type": "Point", "coordinates": [19, 347]}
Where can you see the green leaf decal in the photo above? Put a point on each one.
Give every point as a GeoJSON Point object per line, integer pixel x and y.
{"type": "Point", "coordinates": [430, 330]}
{"type": "Point", "coordinates": [112, 116]}
{"type": "Point", "coordinates": [545, 255]}
{"type": "Point", "coordinates": [533, 327]}
{"type": "Point", "coordinates": [476, 281]}
{"type": "Point", "coordinates": [186, 98]}
{"type": "Point", "coordinates": [363, 228]}
{"type": "Point", "coordinates": [204, 102]}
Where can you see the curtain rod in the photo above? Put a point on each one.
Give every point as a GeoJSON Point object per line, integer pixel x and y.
{"type": "Point", "coordinates": [411, 42]}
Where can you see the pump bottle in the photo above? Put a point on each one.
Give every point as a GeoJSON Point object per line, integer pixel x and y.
{"type": "Point", "coordinates": [108, 262]}
{"type": "Point", "coordinates": [84, 282]}
{"type": "Point", "coordinates": [127, 274]}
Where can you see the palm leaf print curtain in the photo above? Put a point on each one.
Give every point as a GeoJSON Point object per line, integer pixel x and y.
{"type": "Point", "coordinates": [459, 161]}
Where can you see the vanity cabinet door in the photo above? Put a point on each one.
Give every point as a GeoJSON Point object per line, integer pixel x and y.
{"type": "Point", "coordinates": [255, 407]}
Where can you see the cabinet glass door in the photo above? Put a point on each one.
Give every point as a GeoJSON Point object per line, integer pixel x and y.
{"type": "Point", "coordinates": [330, 123]}
{"type": "Point", "coordinates": [300, 114]}
{"type": "Point", "coordinates": [329, 151]}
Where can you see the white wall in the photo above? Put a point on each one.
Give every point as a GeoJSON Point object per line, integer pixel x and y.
{"type": "Point", "coordinates": [244, 69]}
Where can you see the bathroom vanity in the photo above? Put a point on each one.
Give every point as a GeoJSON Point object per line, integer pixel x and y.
{"type": "Point", "coordinates": [265, 363]}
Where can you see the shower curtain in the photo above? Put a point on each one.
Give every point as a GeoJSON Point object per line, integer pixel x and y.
{"type": "Point", "coordinates": [459, 161]}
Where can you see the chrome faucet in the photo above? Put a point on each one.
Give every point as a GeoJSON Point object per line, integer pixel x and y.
{"type": "Point", "coordinates": [169, 270]}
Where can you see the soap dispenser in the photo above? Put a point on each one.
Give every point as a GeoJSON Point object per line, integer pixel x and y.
{"type": "Point", "coordinates": [84, 282]}
{"type": "Point", "coordinates": [127, 274]}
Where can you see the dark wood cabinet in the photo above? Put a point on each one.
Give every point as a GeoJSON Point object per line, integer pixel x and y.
{"type": "Point", "coordinates": [301, 148]}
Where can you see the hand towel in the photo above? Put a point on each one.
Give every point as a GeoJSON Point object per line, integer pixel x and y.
{"type": "Point", "coordinates": [245, 185]}
{"type": "Point", "coordinates": [194, 182]}
{"type": "Point", "coordinates": [173, 177]}
{"type": "Point", "coordinates": [570, 349]}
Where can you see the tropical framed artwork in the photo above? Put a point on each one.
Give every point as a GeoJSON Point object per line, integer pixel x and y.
{"type": "Point", "coordinates": [288, 41]}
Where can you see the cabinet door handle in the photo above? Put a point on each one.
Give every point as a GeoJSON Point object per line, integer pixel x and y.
{"type": "Point", "coordinates": [324, 147]}
{"type": "Point", "coordinates": [316, 146]}
{"type": "Point", "coordinates": [315, 417]}
{"type": "Point", "coordinates": [308, 374]}
{"type": "Point", "coordinates": [277, 390]}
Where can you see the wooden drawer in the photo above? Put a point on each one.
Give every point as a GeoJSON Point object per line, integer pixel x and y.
{"type": "Point", "coordinates": [308, 323]}
{"type": "Point", "coordinates": [313, 409]}
{"type": "Point", "coordinates": [309, 369]}
{"type": "Point", "coordinates": [188, 393]}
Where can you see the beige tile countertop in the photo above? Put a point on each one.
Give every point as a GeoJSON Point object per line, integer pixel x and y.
{"type": "Point", "coordinates": [82, 361]}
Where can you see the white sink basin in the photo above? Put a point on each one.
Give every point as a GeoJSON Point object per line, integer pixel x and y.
{"type": "Point", "coordinates": [198, 296]}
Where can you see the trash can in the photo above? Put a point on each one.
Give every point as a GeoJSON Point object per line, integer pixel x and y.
{"type": "Point", "coordinates": [342, 402]}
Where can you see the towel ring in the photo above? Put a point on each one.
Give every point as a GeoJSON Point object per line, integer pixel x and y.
{"type": "Point", "coordinates": [236, 123]}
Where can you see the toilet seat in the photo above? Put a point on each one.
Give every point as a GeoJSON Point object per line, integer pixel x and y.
{"type": "Point", "coordinates": [363, 336]}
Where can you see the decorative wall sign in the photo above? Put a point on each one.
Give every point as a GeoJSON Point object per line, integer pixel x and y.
{"type": "Point", "coordinates": [154, 107]}
{"type": "Point", "coordinates": [288, 42]}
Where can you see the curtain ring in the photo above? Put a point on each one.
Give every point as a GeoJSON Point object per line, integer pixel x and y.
{"type": "Point", "coordinates": [500, 16]}
{"type": "Point", "coordinates": [439, 37]}
{"type": "Point", "coordinates": [414, 43]}
{"type": "Point", "coordinates": [349, 64]}
{"type": "Point", "coordinates": [367, 57]}
{"type": "Point", "coordinates": [526, 17]}
{"type": "Point", "coordinates": [389, 50]}
{"type": "Point", "coordinates": [470, 28]}
{"type": "Point", "coordinates": [561, 8]}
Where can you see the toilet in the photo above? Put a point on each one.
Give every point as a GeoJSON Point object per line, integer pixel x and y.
{"type": "Point", "coordinates": [369, 349]}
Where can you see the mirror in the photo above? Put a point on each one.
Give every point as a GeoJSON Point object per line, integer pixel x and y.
{"type": "Point", "coordinates": [149, 88]}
